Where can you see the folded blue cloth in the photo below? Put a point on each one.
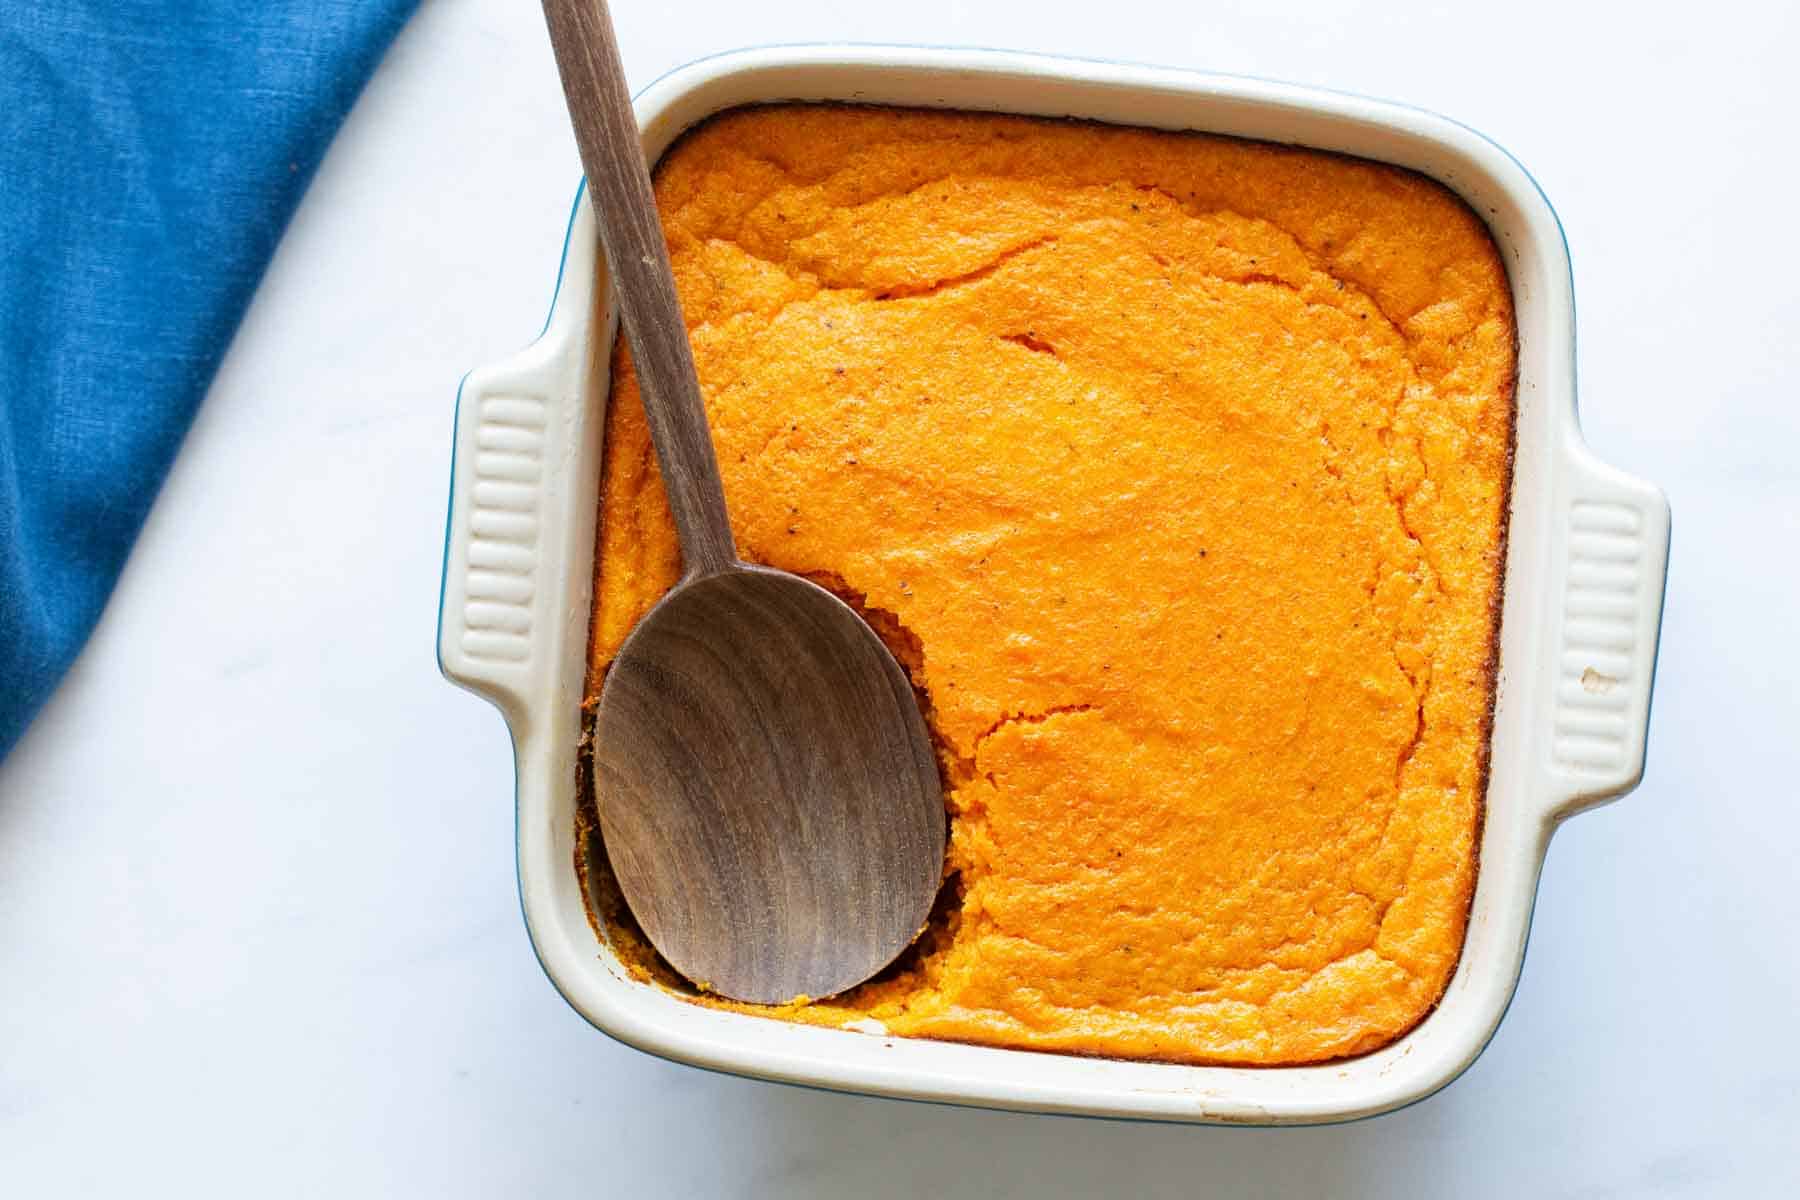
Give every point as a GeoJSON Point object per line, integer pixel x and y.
{"type": "Point", "coordinates": [151, 152]}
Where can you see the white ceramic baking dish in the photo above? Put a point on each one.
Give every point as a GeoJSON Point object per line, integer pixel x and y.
{"type": "Point", "coordinates": [1585, 566]}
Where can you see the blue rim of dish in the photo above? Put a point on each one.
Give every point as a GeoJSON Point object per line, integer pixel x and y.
{"type": "Point", "coordinates": [561, 267]}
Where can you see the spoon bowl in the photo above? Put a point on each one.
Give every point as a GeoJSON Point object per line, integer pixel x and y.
{"type": "Point", "coordinates": [767, 789]}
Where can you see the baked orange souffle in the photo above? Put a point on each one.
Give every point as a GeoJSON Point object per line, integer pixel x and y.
{"type": "Point", "coordinates": [1174, 469]}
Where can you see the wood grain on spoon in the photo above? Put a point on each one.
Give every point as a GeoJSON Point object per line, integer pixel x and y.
{"type": "Point", "coordinates": [767, 790]}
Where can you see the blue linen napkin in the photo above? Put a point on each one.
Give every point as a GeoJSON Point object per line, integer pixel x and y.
{"type": "Point", "coordinates": [151, 152]}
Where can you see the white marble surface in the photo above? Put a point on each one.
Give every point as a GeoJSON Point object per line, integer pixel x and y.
{"type": "Point", "coordinates": [258, 929]}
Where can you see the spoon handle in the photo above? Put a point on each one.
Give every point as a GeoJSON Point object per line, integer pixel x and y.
{"type": "Point", "coordinates": [606, 131]}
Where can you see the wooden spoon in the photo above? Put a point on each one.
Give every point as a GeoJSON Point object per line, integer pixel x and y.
{"type": "Point", "coordinates": [767, 790]}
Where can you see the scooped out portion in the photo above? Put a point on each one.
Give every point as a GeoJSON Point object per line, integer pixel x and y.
{"type": "Point", "coordinates": [1174, 469]}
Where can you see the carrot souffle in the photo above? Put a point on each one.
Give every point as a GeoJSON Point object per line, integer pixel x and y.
{"type": "Point", "coordinates": [1174, 469]}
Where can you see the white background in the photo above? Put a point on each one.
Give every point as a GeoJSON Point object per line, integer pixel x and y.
{"type": "Point", "coordinates": [258, 927]}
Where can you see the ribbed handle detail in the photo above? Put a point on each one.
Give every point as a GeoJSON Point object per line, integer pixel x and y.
{"type": "Point", "coordinates": [495, 625]}
{"type": "Point", "coordinates": [1613, 541]}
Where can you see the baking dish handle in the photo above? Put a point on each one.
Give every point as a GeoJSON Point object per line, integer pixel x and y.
{"type": "Point", "coordinates": [1611, 547]}
{"type": "Point", "coordinates": [499, 630]}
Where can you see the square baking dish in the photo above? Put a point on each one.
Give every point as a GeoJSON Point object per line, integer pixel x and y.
{"type": "Point", "coordinates": [1582, 597]}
